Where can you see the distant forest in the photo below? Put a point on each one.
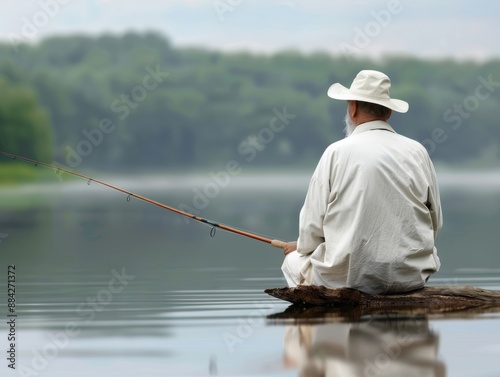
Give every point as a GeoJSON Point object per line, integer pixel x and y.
{"type": "Point", "coordinates": [136, 101]}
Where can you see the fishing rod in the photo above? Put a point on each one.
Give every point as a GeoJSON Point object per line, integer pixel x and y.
{"type": "Point", "coordinates": [214, 225]}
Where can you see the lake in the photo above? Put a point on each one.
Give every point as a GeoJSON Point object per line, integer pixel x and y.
{"type": "Point", "coordinates": [111, 287]}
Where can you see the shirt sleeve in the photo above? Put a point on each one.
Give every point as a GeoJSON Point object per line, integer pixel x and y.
{"type": "Point", "coordinates": [312, 214]}
{"type": "Point", "coordinates": [434, 200]}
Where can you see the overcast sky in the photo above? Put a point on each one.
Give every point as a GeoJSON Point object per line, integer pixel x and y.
{"type": "Point", "coordinates": [462, 29]}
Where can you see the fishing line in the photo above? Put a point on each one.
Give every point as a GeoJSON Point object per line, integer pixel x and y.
{"type": "Point", "coordinates": [214, 225]}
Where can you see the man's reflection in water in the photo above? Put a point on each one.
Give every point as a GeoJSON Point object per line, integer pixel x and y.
{"type": "Point", "coordinates": [379, 347]}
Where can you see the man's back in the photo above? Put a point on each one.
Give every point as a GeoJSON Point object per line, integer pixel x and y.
{"type": "Point", "coordinates": [372, 210]}
{"type": "Point", "coordinates": [380, 213]}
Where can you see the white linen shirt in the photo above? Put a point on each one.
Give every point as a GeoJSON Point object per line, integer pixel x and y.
{"type": "Point", "coordinates": [371, 214]}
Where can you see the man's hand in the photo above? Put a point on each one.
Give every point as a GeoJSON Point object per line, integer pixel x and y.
{"type": "Point", "coordinates": [289, 247]}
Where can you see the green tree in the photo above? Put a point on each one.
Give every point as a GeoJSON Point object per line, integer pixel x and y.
{"type": "Point", "coordinates": [213, 101]}
{"type": "Point", "coordinates": [24, 125]}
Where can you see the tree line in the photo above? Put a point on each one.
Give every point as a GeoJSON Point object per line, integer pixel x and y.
{"type": "Point", "coordinates": [135, 101]}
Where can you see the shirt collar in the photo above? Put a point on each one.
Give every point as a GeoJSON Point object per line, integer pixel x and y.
{"type": "Point", "coordinates": [373, 125]}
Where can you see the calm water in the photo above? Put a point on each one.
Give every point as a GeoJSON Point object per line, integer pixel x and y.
{"type": "Point", "coordinates": [115, 288]}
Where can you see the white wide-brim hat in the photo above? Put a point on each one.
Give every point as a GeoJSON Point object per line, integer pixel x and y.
{"type": "Point", "coordinates": [369, 86]}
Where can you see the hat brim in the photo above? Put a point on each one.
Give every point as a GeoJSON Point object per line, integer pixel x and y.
{"type": "Point", "coordinates": [340, 92]}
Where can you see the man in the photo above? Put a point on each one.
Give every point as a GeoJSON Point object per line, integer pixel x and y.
{"type": "Point", "coordinates": [372, 210]}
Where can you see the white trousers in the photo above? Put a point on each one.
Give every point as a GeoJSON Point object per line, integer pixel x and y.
{"type": "Point", "coordinates": [296, 268]}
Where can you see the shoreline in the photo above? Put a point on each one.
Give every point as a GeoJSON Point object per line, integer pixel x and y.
{"type": "Point", "coordinates": [265, 180]}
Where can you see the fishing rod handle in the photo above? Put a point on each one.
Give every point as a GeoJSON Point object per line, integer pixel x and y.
{"type": "Point", "coordinates": [278, 243]}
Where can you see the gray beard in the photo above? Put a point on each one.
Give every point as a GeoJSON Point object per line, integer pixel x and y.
{"type": "Point", "coordinates": [349, 125]}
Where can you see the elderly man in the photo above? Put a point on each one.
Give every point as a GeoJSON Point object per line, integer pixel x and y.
{"type": "Point", "coordinates": [372, 210]}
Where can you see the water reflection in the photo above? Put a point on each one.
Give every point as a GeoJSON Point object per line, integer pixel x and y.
{"type": "Point", "coordinates": [378, 347]}
{"type": "Point", "coordinates": [190, 289]}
